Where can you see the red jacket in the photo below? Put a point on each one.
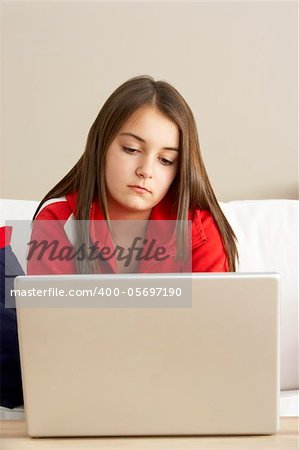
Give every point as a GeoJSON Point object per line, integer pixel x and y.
{"type": "Point", "coordinates": [208, 253]}
{"type": "Point", "coordinates": [5, 236]}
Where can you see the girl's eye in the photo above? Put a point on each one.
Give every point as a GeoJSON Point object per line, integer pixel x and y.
{"type": "Point", "coordinates": [133, 151]}
{"type": "Point", "coordinates": [130, 150]}
{"type": "Point", "coordinates": [166, 162]}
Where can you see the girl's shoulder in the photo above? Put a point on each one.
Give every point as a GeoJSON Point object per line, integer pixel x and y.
{"type": "Point", "coordinates": [204, 227]}
{"type": "Point", "coordinates": [59, 208]}
{"type": "Point", "coordinates": [201, 217]}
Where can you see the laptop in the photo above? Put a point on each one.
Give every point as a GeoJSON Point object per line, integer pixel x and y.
{"type": "Point", "coordinates": [134, 357]}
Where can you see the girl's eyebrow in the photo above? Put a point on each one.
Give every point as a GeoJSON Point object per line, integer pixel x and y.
{"type": "Point", "coordinates": [144, 142]}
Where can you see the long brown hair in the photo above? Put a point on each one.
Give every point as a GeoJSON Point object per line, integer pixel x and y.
{"type": "Point", "coordinates": [191, 187]}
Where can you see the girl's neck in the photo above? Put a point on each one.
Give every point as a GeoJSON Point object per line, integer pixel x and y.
{"type": "Point", "coordinates": [121, 214]}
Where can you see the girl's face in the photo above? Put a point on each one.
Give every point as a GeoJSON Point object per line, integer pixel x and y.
{"type": "Point", "coordinates": [141, 164]}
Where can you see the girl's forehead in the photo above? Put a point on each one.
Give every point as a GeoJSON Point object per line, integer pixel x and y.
{"type": "Point", "coordinates": [148, 120]}
{"type": "Point", "coordinates": [141, 114]}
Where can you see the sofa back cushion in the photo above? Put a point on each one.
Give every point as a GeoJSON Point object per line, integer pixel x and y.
{"type": "Point", "coordinates": [268, 235]}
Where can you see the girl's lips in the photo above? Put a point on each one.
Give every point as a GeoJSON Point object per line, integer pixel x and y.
{"type": "Point", "coordinates": [140, 189]}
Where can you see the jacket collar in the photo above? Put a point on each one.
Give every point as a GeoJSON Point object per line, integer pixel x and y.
{"type": "Point", "coordinates": [163, 211]}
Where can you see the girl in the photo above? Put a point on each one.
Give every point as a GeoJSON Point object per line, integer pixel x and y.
{"type": "Point", "coordinates": [142, 164]}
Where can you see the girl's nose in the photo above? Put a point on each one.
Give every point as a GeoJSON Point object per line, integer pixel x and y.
{"type": "Point", "coordinates": [145, 169]}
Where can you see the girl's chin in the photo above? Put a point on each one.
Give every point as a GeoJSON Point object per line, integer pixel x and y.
{"type": "Point", "coordinates": [129, 205]}
{"type": "Point", "coordinates": [133, 206]}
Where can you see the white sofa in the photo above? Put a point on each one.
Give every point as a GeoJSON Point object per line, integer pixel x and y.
{"type": "Point", "coordinates": [268, 235]}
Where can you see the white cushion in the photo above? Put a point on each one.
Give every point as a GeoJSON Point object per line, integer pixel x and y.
{"type": "Point", "coordinates": [17, 210]}
{"type": "Point", "coordinates": [268, 232]}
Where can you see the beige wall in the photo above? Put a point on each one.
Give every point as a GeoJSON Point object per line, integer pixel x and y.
{"type": "Point", "coordinates": [235, 63]}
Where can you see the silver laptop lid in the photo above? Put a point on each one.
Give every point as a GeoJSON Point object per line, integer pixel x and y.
{"type": "Point", "coordinates": [205, 366]}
